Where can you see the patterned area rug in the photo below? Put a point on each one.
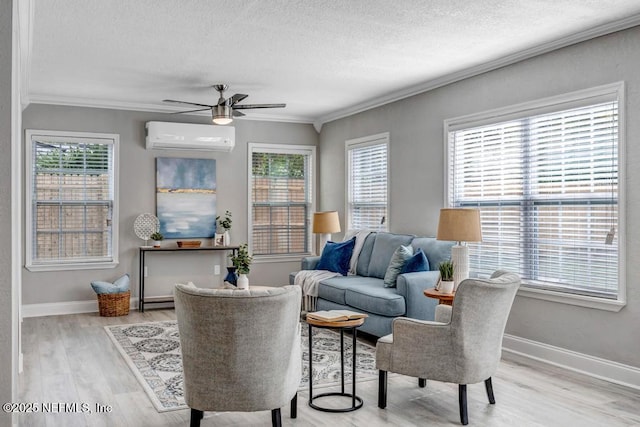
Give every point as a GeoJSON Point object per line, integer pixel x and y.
{"type": "Point", "coordinates": [152, 351]}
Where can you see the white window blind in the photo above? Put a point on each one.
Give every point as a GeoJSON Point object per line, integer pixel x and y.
{"type": "Point", "coordinates": [72, 200]}
{"type": "Point", "coordinates": [367, 176]}
{"type": "Point", "coordinates": [547, 188]}
{"type": "Point", "coordinates": [281, 199]}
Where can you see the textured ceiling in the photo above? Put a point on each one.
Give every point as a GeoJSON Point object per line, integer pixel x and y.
{"type": "Point", "coordinates": [324, 58]}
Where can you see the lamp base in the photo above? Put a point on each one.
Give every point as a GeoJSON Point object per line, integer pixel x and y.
{"type": "Point", "coordinates": [460, 259]}
{"type": "Point", "coordinates": [323, 238]}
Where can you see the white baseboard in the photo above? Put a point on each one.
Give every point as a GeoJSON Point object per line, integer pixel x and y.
{"type": "Point", "coordinates": [596, 367]}
{"type": "Point", "coordinates": [61, 308]}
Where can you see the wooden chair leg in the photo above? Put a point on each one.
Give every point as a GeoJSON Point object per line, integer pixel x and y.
{"type": "Point", "coordinates": [382, 389]}
{"type": "Point", "coordinates": [276, 419]}
{"type": "Point", "coordinates": [422, 382]}
{"type": "Point", "coordinates": [294, 406]}
{"type": "Point", "coordinates": [196, 416]}
{"type": "Point", "coordinates": [489, 387]}
{"type": "Point", "coordinates": [462, 401]}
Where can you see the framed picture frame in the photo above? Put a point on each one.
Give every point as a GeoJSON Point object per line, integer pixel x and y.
{"type": "Point", "coordinates": [218, 240]}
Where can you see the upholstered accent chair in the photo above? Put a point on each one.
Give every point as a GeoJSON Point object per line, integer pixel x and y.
{"type": "Point", "coordinates": [240, 349]}
{"type": "Point", "coordinates": [462, 346]}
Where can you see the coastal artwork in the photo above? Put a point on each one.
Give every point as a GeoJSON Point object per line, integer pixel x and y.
{"type": "Point", "coordinates": [186, 197]}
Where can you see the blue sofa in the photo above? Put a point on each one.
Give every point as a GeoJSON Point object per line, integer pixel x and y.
{"type": "Point", "coordinates": [365, 291]}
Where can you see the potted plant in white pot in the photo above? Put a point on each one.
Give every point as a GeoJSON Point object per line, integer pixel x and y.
{"type": "Point", "coordinates": [157, 237]}
{"type": "Point", "coordinates": [225, 224]}
{"type": "Point", "coordinates": [446, 277]}
{"type": "Point", "coordinates": [242, 262]}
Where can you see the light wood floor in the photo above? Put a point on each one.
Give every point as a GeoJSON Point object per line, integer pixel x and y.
{"type": "Point", "coordinates": [71, 359]}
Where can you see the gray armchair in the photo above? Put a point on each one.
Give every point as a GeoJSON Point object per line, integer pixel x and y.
{"type": "Point", "coordinates": [240, 349]}
{"type": "Point", "coordinates": [462, 346]}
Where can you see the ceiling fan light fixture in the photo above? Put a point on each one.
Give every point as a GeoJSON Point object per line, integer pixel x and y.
{"type": "Point", "coordinates": [222, 115]}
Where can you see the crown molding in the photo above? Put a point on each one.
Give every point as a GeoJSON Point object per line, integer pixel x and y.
{"type": "Point", "coordinates": [572, 39]}
{"type": "Point", "coordinates": [152, 108]}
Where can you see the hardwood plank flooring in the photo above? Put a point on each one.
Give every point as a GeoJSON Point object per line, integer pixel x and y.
{"type": "Point", "coordinates": [71, 359]}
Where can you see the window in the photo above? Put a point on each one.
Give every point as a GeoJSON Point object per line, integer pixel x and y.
{"type": "Point", "coordinates": [367, 173]}
{"type": "Point", "coordinates": [546, 179]}
{"type": "Point", "coordinates": [281, 179]}
{"type": "Point", "coordinates": [71, 196]}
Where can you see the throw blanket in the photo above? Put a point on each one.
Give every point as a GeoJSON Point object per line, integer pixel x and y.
{"type": "Point", "coordinates": [309, 280]}
{"type": "Point", "coordinates": [360, 238]}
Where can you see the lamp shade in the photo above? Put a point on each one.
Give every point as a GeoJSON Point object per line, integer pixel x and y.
{"type": "Point", "coordinates": [326, 222]}
{"type": "Point", "coordinates": [460, 225]}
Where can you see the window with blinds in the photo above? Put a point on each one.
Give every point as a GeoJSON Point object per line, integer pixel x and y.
{"type": "Point", "coordinates": [281, 199]}
{"type": "Point", "coordinates": [71, 197]}
{"type": "Point", "coordinates": [547, 184]}
{"type": "Point", "coordinates": [367, 173]}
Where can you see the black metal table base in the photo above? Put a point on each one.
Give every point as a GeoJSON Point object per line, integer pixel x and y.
{"type": "Point", "coordinates": [356, 402]}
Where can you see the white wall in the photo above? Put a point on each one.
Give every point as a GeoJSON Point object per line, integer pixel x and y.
{"type": "Point", "coordinates": [137, 195]}
{"type": "Point", "coordinates": [417, 187]}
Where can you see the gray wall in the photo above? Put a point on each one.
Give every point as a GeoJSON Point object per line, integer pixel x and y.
{"type": "Point", "coordinates": [417, 175]}
{"type": "Point", "coordinates": [5, 208]}
{"type": "Point", "coordinates": [137, 195]}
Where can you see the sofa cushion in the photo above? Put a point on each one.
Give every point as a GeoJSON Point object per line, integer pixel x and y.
{"type": "Point", "coordinates": [375, 298]}
{"type": "Point", "coordinates": [436, 250]}
{"type": "Point", "coordinates": [336, 257]}
{"type": "Point", "coordinates": [383, 248]}
{"type": "Point", "coordinates": [398, 260]}
{"type": "Point", "coordinates": [334, 289]}
{"type": "Point", "coordinates": [418, 262]}
{"type": "Point", "coordinates": [362, 267]}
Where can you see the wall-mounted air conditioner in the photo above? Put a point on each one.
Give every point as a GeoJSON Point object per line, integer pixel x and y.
{"type": "Point", "coordinates": [186, 136]}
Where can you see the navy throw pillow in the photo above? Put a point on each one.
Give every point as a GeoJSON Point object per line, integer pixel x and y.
{"type": "Point", "coordinates": [336, 257]}
{"type": "Point", "coordinates": [418, 262]}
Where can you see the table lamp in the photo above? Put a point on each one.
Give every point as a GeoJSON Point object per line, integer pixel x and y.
{"type": "Point", "coordinates": [459, 225]}
{"type": "Point", "coordinates": [325, 223]}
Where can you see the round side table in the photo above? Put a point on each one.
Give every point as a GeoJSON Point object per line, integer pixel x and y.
{"type": "Point", "coordinates": [442, 298]}
{"type": "Point", "coordinates": [352, 325]}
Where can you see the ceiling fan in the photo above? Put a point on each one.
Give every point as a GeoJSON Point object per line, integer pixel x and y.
{"type": "Point", "coordinates": [226, 108]}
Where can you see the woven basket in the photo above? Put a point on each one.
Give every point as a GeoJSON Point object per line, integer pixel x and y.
{"type": "Point", "coordinates": [111, 305]}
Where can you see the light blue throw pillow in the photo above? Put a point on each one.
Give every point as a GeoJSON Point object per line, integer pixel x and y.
{"type": "Point", "coordinates": [336, 257]}
{"type": "Point", "coordinates": [117, 287]}
{"type": "Point", "coordinates": [399, 258]}
{"type": "Point", "coordinates": [418, 262]}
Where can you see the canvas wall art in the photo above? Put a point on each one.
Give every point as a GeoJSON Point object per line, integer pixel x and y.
{"type": "Point", "coordinates": [186, 197]}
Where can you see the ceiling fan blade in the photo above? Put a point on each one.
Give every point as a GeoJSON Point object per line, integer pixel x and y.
{"type": "Point", "coordinates": [192, 111]}
{"type": "Point", "coordinates": [238, 114]}
{"type": "Point", "coordinates": [249, 106]}
{"type": "Point", "coordinates": [173, 101]}
{"type": "Point", "coordinates": [238, 97]}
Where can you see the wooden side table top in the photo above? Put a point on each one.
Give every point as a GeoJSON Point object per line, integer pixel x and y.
{"type": "Point", "coordinates": [440, 296]}
{"type": "Point", "coordinates": [354, 323]}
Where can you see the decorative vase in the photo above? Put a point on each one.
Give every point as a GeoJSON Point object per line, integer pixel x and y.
{"type": "Point", "coordinates": [243, 281]}
{"type": "Point", "coordinates": [446, 286]}
{"type": "Point", "coordinates": [231, 277]}
{"type": "Point", "coordinates": [227, 238]}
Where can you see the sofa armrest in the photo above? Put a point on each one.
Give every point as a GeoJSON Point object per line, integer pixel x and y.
{"type": "Point", "coordinates": [411, 286]}
{"type": "Point", "coordinates": [309, 262]}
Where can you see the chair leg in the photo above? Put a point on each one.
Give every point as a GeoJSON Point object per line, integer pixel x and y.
{"type": "Point", "coordinates": [196, 416]}
{"type": "Point", "coordinates": [462, 401]}
{"type": "Point", "coordinates": [276, 419]}
{"type": "Point", "coordinates": [422, 382]}
{"type": "Point", "coordinates": [489, 387]}
{"type": "Point", "coordinates": [294, 406]}
{"type": "Point", "coordinates": [382, 389]}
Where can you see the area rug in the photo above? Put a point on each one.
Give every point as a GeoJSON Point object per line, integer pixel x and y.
{"type": "Point", "coordinates": [152, 351]}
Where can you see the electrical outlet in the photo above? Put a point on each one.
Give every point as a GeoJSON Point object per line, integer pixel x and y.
{"type": "Point", "coordinates": [216, 270]}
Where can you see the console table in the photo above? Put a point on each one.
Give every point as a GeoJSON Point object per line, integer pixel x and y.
{"type": "Point", "coordinates": [149, 249]}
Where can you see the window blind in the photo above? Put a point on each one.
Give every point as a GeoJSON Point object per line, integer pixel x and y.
{"type": "Point", "coordinates": [72, 200]}
{"type": "Point", "coordinates": [367, 186]}
{"type": "Point", "coordinates": [547, 188]}
{"type": "Point", "coordinates": [281, 196]}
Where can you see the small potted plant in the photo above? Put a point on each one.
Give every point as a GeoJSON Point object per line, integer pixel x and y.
{"type": "Point", "coordinates": [157, 237]}
{"type": "Point", "coordinates": [242, 262]}
{"type": "Point", "coordinates": [225, 224]}
{"type": "Point", "coordinates": [446, 277]}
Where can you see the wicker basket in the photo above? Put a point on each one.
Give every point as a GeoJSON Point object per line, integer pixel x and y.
{"type": "Point", "coordinates": [112, 305]}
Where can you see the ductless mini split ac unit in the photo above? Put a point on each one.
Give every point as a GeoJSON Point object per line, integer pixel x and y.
{"type": "Point", "coordinates": [186, 136]}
